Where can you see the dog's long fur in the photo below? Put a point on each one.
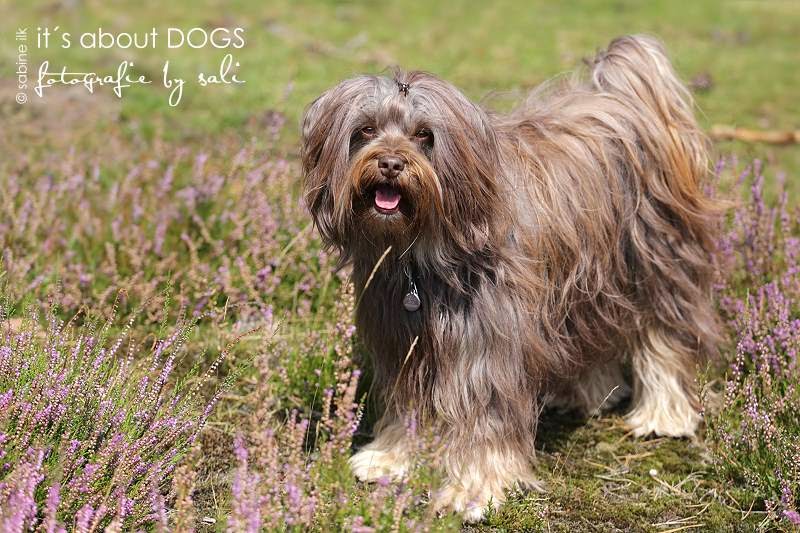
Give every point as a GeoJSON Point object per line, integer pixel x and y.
{"type": "Point", "coordinates": [547, 246]}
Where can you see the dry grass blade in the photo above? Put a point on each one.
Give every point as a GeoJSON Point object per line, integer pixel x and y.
{"type": "Point", "coordinates": [372, 274]}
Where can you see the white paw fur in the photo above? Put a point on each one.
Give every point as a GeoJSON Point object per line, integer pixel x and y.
{"type": "Point", "coordinates": [371, 464]}
{"type": "Point", "coordinates": [662, 404]}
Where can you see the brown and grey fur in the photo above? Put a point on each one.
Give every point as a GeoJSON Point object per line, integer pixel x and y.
{"type": "Point", "coordinates": [548, 245]}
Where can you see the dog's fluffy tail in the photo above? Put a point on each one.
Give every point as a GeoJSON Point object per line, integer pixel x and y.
{"type": "Point", "coordinates": [671, 162]}
{"type": "Point", "coordinates": [635, 68]}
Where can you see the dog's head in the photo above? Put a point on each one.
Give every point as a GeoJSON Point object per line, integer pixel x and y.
{"type": "Point", "coordinates": [397, 160]}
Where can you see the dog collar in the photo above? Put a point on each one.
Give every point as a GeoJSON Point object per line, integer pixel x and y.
{"type": "Point", "coordinates": [411, 301]}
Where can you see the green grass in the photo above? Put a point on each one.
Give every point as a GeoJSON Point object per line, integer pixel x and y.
{"type": "Point", "coordinates": [294, 50]}
{"type": "Point", "coordinates": [598, 479]}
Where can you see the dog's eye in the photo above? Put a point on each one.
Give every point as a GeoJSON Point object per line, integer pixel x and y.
{"type": "Point", "coordinates": [368, 132]}
{"type": "Point", "coordinates": [423, 134]}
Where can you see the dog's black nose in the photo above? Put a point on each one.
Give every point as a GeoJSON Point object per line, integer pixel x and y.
{"type": "Point", "coordinates": [391, 166]}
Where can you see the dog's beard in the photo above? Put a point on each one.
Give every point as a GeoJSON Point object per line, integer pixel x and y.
{"type": "Point", "coordinates": [392, 211]}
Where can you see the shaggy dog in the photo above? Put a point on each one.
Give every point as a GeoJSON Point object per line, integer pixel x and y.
{"type": "Point", "coordinates": [502, 261]}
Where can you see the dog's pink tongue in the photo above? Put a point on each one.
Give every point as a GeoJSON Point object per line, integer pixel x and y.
{"type": "Point", "coordinates": [387, 198]}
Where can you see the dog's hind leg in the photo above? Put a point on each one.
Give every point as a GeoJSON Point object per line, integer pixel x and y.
{"type": "Point", "coordinates": [665, 400]}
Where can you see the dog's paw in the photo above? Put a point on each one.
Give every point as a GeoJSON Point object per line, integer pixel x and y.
{"type": "Point", "coordinates": [669, 422]}
{"type": "Point", "coordinates": [472, 505]}
{"type": "Point", "coordinates": [371, 465]}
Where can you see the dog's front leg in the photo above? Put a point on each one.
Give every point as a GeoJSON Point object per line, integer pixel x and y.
{"type": "Point", "coordinates": [479, 470]}
{"type": "Point", "coordinates": [485, 402]}
{"type": "Point", "coordinates": [387, 455]}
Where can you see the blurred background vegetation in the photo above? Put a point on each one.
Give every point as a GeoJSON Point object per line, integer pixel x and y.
{"type": "Point", "coordinates": [741, 57]}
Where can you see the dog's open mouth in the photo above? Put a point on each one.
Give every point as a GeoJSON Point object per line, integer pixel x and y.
{"type": "Point", "coordinates": [387, 199]}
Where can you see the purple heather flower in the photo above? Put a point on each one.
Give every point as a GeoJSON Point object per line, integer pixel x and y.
{"type": "Point", "coordinates": [792, 516]}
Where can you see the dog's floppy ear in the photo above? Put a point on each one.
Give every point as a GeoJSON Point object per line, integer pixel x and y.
{"type": "Point", "coordinates": [465, 156]}
{"type": "Point", "coordinates": [311, 141]}
{"type": "Point", "coordinates": [316, 129]}
{"type": "Point", "coordinates": [473, 154]}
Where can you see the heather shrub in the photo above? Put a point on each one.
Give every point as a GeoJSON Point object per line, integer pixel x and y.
{"type": "Point", "coordinates": [220, 223]}
{"type": "Point", "coordinates": [96, 429]}
{"type": "Point", "coordinates": [228, 239]}
{"type": "Point", "coordinates": [91, 426]}
{"type": "Point", "coordinates": [292, 471]}
{"type": "Point", "coordinates": [755, 436]}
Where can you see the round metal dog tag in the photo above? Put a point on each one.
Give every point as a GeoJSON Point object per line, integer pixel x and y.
{"type": "Point", "coordinates": [411, 302]}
